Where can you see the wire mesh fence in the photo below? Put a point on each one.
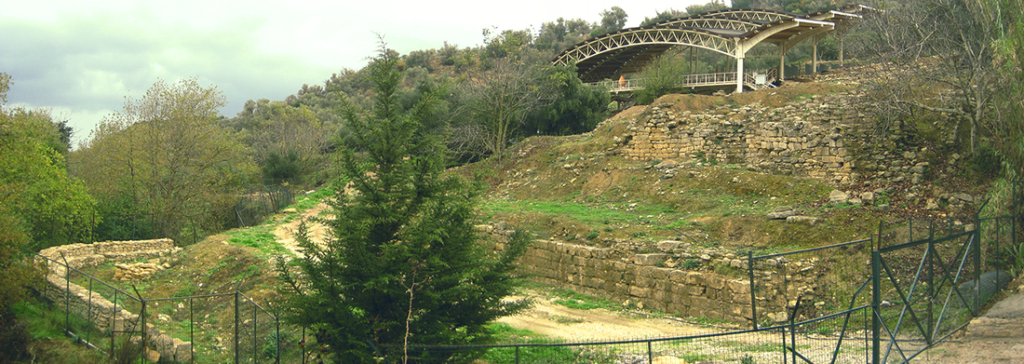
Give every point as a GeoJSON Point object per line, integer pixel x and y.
{"type": "Point", "coordinates": [827, 279]}
{"type": "Point", "coordinates": [791, 343]}
{"type": "Point", "coordinates": [131, 328]}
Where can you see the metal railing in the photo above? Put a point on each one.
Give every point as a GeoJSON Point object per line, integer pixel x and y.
{"type": "Point", "coordinates": [751, 79]}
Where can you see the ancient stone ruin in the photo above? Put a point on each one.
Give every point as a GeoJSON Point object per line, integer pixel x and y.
{"type": "Point", "coordinates": [104, 314]}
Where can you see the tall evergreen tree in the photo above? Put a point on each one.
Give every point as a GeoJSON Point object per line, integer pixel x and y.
{"type": "Point", "coordinates": [403, 264]}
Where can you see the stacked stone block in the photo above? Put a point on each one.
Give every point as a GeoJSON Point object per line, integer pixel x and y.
{"type": "Point", "coordinates": [103, 313]}
{"type": "Point", "coordinates": [818, 138]}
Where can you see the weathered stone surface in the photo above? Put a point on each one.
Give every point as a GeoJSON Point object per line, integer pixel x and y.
{"type": "Point", "coordinates": [781, 212]}
{"type": "Point", "coordinates": [649, 259]}
{"type": "Point", "coordinates": [837, 196]}
{"type": "Point", "coordinates": [810, 220]}
{"type": "Point", "coordinates": [668, 245]}
{"type": "Point", "coordinates": [152, 356]}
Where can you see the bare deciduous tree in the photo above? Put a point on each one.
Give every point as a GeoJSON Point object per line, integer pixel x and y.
{"type": "Point", "coordinates": [500, 100]}
{"type": "Point", "coordinates": [932, 46]}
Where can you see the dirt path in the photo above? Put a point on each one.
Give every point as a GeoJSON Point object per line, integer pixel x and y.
{"type": "Point", "coordinates": [993, 338]}
{"type": "Point", "coordinates": [555, 320]}
{"type": "Point", "coordinates": [317, 232]}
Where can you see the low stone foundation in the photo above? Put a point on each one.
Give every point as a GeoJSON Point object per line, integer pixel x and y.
{"type": "Point", "coordinates": [688, 293]}
{"type": "Point", "coordinates": [104, 314]}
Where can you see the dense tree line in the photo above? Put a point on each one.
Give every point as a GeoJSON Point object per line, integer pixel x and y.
{"type": "Point", "coordinates": [38, 201]}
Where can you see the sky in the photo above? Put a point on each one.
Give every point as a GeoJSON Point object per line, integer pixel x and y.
{"type": "Point", "coordinates": [80, 59]}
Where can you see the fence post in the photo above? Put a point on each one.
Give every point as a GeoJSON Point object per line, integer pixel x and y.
{"type": "Point", "coordinates": [931, 290]}
{"type": "Point", "coordinates": [113, 325]}
{"type": "Point", "coordinates": [753, 298]}
{"type": "Point", "coordinates": [191, 332]}
{"type": "Point", "coordinates": [67, 294]}
{"type": "Point", "coordinates": [142, 319]}
{"type": "Point", "coordinates": [253, 331]}
{"type": "Point", "coordinates": [88, 333]}
{"type": "Point", "coordinates": [650, 353]}
{"type": "Point", "coordinates": [237, 352]}
{"type": "Point", "coordinates": [277, 329]}
{"type": "Point", "coordinates": [517, 354]}
{"type": "Point", "coordinates": [876, 320]}
{"type": "Point", "coordinates": [976, 236]}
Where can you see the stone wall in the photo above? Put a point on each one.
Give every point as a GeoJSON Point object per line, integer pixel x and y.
{"type": "Point", "coordinates": [820, 137]}
{"type": "Point", "coordinates": [99, 310]}
{"type": "Point", "coordinates": [587, 270]}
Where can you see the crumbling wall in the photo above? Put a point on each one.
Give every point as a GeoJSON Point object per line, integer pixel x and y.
{"type": "Point", "coordinates": [103, 313]}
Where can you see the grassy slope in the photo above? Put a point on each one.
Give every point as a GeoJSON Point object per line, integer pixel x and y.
{"type": "Point", "coordinates": [568, 188]}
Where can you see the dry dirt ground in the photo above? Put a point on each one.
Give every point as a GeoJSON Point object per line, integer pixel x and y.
{"type": "Point", "coordinates": [316, 232]}
{"type": "Point", "coordinates": [557, 321]}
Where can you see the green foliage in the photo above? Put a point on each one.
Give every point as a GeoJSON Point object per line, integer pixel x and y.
{"type": "Point", "coordinates": [1017, 265]}
{"type": "Point", "coordinates": [403, 262]}
{"type": "Point", "coordinates": [164, 155]}
{"type": "Point", "coordinates": [38, 196]}
{"type": "Point", "coordinates": [662, 76]}
{"type": "Point", "coordinates": [612, 19]}
{"type": "Point", "coordinates": [281, 166]}
{"type": "Point", "coordinates": [577, 107]}
{"type": "Point", "coordinates": [663, 16]}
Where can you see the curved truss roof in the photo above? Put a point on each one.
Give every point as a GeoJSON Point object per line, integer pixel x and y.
{"type": "Point", "coordinates": [730, 32]}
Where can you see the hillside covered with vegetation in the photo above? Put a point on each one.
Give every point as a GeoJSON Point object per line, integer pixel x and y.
{"type": "Point", "coordinates": [438, 141]}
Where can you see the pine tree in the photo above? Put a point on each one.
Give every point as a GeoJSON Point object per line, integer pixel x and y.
{"type": "Point", "coordinates": [403, 265]}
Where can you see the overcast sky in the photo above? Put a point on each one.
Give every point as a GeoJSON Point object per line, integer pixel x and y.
{"type": "Point", "coordinates": [81, 58]}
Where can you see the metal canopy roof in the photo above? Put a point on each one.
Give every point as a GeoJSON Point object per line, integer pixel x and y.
{"type": "Point", "coordinates": [730, 32]}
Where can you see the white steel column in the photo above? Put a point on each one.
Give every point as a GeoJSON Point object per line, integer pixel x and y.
{"type": "Point", "coordinates": [740, 53]}
{"type": "Point", "coordinates": [782, 63]}
{"type": "Point", "coordinates": [814, 58]}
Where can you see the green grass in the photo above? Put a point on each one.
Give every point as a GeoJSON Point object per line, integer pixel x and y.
{"type": "Point", "coordinates": [591, 215]}
{"type": "Point", "coordinates": [572, 299]}
{"type": "Point", "coordinates": [503, 333]}
{"type": "Point", "coordinates": [259, 237]}
{"type": "Point", "coordinates": [305, 202]}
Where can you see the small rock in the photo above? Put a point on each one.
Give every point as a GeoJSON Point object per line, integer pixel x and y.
{"type": "Point", "coordinates": [781, 212]}
{"type": "Point", "coordinates": [668, 245]}
{"type": "Point", "coordinates": [837, 196]}
{"type": "Point", "coordinates": [152, 356]}
{"type": "Point", "coordinates": [810, 220]}
{"type": "Point", "coordinates": [931, 204]}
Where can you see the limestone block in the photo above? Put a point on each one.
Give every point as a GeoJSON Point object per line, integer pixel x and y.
{"type": "Point", "coordinates": [782, 212]}
{"type": "Point", "coordinates": [649, 259]}
{"type": "Point", "coordinates": [668, 245]}
{"type": "Point", "coordinates": [802, 219]}
{"type": "Point", "coordinates": [152, 356]}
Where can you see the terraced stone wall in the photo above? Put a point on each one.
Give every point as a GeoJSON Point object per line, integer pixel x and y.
{"type": "Point", "coordinates": [824, 137]}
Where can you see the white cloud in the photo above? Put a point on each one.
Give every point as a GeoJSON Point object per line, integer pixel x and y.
{"type": "Point", "coordinates": [86, 56]}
